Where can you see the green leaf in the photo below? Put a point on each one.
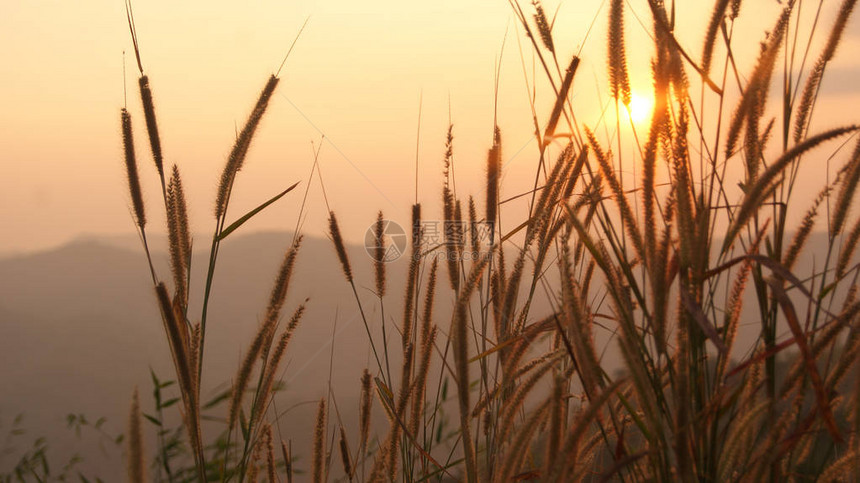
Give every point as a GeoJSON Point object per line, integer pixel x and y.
{"type": "Point", "coordinates": [236, 224]}
{"type": "Point", "coordinates": [217, 399]}
{"type": "Point", "coordinates": [243, 426]}
{"type": "Point", "coordinates": [170, 402]}
{"type": "Point", "coordinates": [152, 420]}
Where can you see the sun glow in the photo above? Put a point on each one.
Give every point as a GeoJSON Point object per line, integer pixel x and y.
{"type": "Point", "coordinates": [640, 108]}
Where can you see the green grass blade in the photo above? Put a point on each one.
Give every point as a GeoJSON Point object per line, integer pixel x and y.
{"type": "Point", "coordinates": [247, 216]}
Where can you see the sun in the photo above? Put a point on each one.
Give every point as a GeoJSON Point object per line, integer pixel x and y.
{"type": "Point", "coordinates": [640, 108]}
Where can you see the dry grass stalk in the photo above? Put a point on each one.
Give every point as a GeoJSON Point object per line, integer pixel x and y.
{"type": "Point", "coordinates": [194, 356]}
{"type": "Point", "coordinates": [459, 336]}
{"type": "Point", "coordinates": [804, 230]}
{"type": "Point", "coordinates": [578, 322]}
{"type": "Point", "coordinates": [428, 338]}
{"type": "Point", "coordinates": [740, 439]}
{"type": "Point", "coordinates": [846, 192]}
{"type": "Point", "coordinates": [843, 468]}
{"type": "Point", "coordinates": [494, 173]}
{"type": "Point", "coordinates": [339, 247]}
{"type": "Point", "coordinates": [514, 405]}
{"type": "Point", "coordinates": [475, 242]}
{"type": "Point", "coordinates": [557, 420]}
{"type": "Point", "coordinates": [416, 226]}
{"type": "Point", "coordinates": [751, 105]}
{"type": "Point", "coordinates": [136, 459]}
{"type": "Point", "coordinates": [848, 248]}
{"type": "Point", "coordinates": [627, 219]}
{"type": "Point", "coordinates": [364, 412]}
{"type": "Point", "coordinates": [264, 392]}
{"type": "Point", "coordinates": [420, 385]}
{"type": "Point", "coordinates": [764, 183]}
{"type": "Point", "coordinates": [151, 125]}
{"type": "Point", "coordinates": [519, 443]}
{"type": "Point", "coordinates": [282, 283]}
{"type": "Point", "coordinates": [344, 454]}
{"type": "Point", "coordinates": [619, 82]}
{"type": "Point", "coordinates": [379, 254]}
{"type": "Point", "coordinates": [392, 455]}
{"type": "Point", "coordinates": [181, 209]}
{"type": "Point", "coordinates": [543, 26]}
{"type": "Point", "coordinates": [177, 244]}
{"type": "Point", "coordinates": [318, 471]}
{"type": "Point", "coordinates": [735, 305]}
{"type": "Point", "coordinates": [450, 238]}
{"type": "Point", "coordinates": [270, 453]}
{"type": "Point", "coordinates": [243, 375]}
{"type": "Point", "coordinates": [254, 464]}
{"type": "Point", "coordinates": [546, 361]}
{"type": "Point", "coordinates": [570, 448]}
{"type": "Point", "coordinates": [288, 462]}
{"type": "Point", "coordinates": [649, 168]}
{"type": "Point", "coordinates": [131, 171]}
{"type": "Point", "coordinates": [813, 81]}
{"type": "Point", "coordinates": [179, 350]}
{"type": "Point", "coordinates": [409, 298]}
{"type": "Point", "coordinates": [717, 16]}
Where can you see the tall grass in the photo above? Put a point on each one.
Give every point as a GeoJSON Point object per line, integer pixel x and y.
{"type": "Point", "coordinates": [671, 272]}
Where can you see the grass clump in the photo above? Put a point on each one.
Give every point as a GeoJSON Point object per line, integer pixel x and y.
{"type": "Point", "coordinates": [661, 276]}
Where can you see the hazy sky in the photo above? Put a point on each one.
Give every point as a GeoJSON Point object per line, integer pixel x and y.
{"type": "Point", "coordinates": [355, 76]}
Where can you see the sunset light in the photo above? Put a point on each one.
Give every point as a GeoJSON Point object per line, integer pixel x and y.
{"type": "Point", "coordinates": [434, 240]}
{"type": "Point", "coordinates": [640, 108]}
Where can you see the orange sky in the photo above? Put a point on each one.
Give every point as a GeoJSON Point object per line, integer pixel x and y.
{"type": "Point", "coordinates": [355, 76]}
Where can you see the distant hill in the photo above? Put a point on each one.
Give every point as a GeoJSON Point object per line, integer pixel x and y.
{"type": "Point", "coordinates": [79, 329]}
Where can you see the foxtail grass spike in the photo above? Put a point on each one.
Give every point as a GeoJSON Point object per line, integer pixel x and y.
{"type": "Point", "coordinates": [131, 171]}
{"type": "Point", "coordinates": [318, 457]}
{"type": "Point", "coordinates": [379, 254]}
{"type": "Point", "coordinates": [151, 125]}
{"type": "Point", "coordinates": [339, 246]}
{"type": "Point", "coordinates": [136, 459]}
{"type": "Point", "coordinates": [494, 171]}
{"type": "Point", "coordinates": [241, 146]}
{"type": "Point", "coordinates": [618, 78]}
